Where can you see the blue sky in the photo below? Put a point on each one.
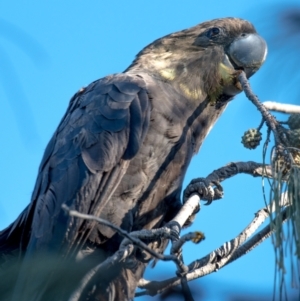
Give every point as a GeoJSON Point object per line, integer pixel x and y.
{"type": "Point", "coordinates": [49, 50]}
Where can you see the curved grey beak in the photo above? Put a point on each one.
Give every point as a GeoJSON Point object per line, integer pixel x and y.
{"type": "Point", "coordinates": [248, 52]}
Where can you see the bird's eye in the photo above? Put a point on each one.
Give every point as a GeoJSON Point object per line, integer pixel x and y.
{"type": "Point", "coordinates": [213, 32]}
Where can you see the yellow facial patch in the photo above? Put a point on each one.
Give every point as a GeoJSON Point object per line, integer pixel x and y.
{"type": "Point", "coordinates": [226, 74]}
{"type": "Point", "coordinates": [190, 93]}
{"type": "Point", "coordinates": [168, 74]}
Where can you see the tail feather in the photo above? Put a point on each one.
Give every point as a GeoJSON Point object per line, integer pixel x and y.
{"type": "Point", "coordinates": [12, 239]}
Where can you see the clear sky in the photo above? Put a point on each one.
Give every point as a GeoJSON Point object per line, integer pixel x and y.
{"type": "Point", "coordinates": [50, 49]}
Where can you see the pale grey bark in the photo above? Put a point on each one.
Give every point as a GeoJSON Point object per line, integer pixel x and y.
{"type": "Point", "coordinates": [282, 107]}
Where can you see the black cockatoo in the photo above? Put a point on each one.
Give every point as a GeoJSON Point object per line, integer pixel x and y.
{"type": "Point", "coordinates": [121, 152]}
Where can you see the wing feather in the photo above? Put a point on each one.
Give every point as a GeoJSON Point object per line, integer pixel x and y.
{"type": "Point", "coordinates": [85, 160]}
{"type": "Point", "coordinates": [83, 164]}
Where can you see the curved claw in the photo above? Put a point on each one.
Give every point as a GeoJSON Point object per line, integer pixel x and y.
{"type": "Point", "coordinates": [205, 190]}
{"type": "Point", "coordinates": [207, 203]}
{"type": "Point", "coordinates": [218, 192]}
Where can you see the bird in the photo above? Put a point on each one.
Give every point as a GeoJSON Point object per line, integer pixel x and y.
{"type": "Point", "coordinates": [121, 152]}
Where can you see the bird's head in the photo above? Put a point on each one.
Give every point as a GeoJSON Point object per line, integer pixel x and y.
{"type": "Point", "coordinates": [204, 60]}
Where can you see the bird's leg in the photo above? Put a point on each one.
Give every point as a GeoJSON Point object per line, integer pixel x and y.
{"type": "Point", "coordinates": [210, 189]}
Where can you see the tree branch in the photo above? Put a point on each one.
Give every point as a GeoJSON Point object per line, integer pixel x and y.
{"type": "Point", "coordinates": [278, 130]}
{"type": "Point", "coordinates": [281, 107]}
{"type": "Point", "coordinates": [259, 237]}
{"type": "Point", "coordinates": [220, 257]}
{"type": "Point", "coordinates": [269, 118]}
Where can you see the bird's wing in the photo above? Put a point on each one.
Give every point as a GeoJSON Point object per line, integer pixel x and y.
{"type": "Point", "coordinates": [103, 128]}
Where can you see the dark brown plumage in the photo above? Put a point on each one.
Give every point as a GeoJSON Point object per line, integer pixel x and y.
{"type": "Point", "coordinates": [122, 149]}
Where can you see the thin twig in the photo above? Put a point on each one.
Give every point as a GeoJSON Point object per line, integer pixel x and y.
{"type": "Point", "coordinates": [133, 238]}
{"type": "Point", "coordinates": [186, 289]}
{"type": "Point", "coordinates": [269, 118]}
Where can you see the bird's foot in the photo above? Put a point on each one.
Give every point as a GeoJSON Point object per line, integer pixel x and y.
{"type": "Point", "coordinates": [154, 239]}
{"type": "Point", "coordinates": [207, 190]}
{"type": "Point", "coordinates": [175, 230]}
